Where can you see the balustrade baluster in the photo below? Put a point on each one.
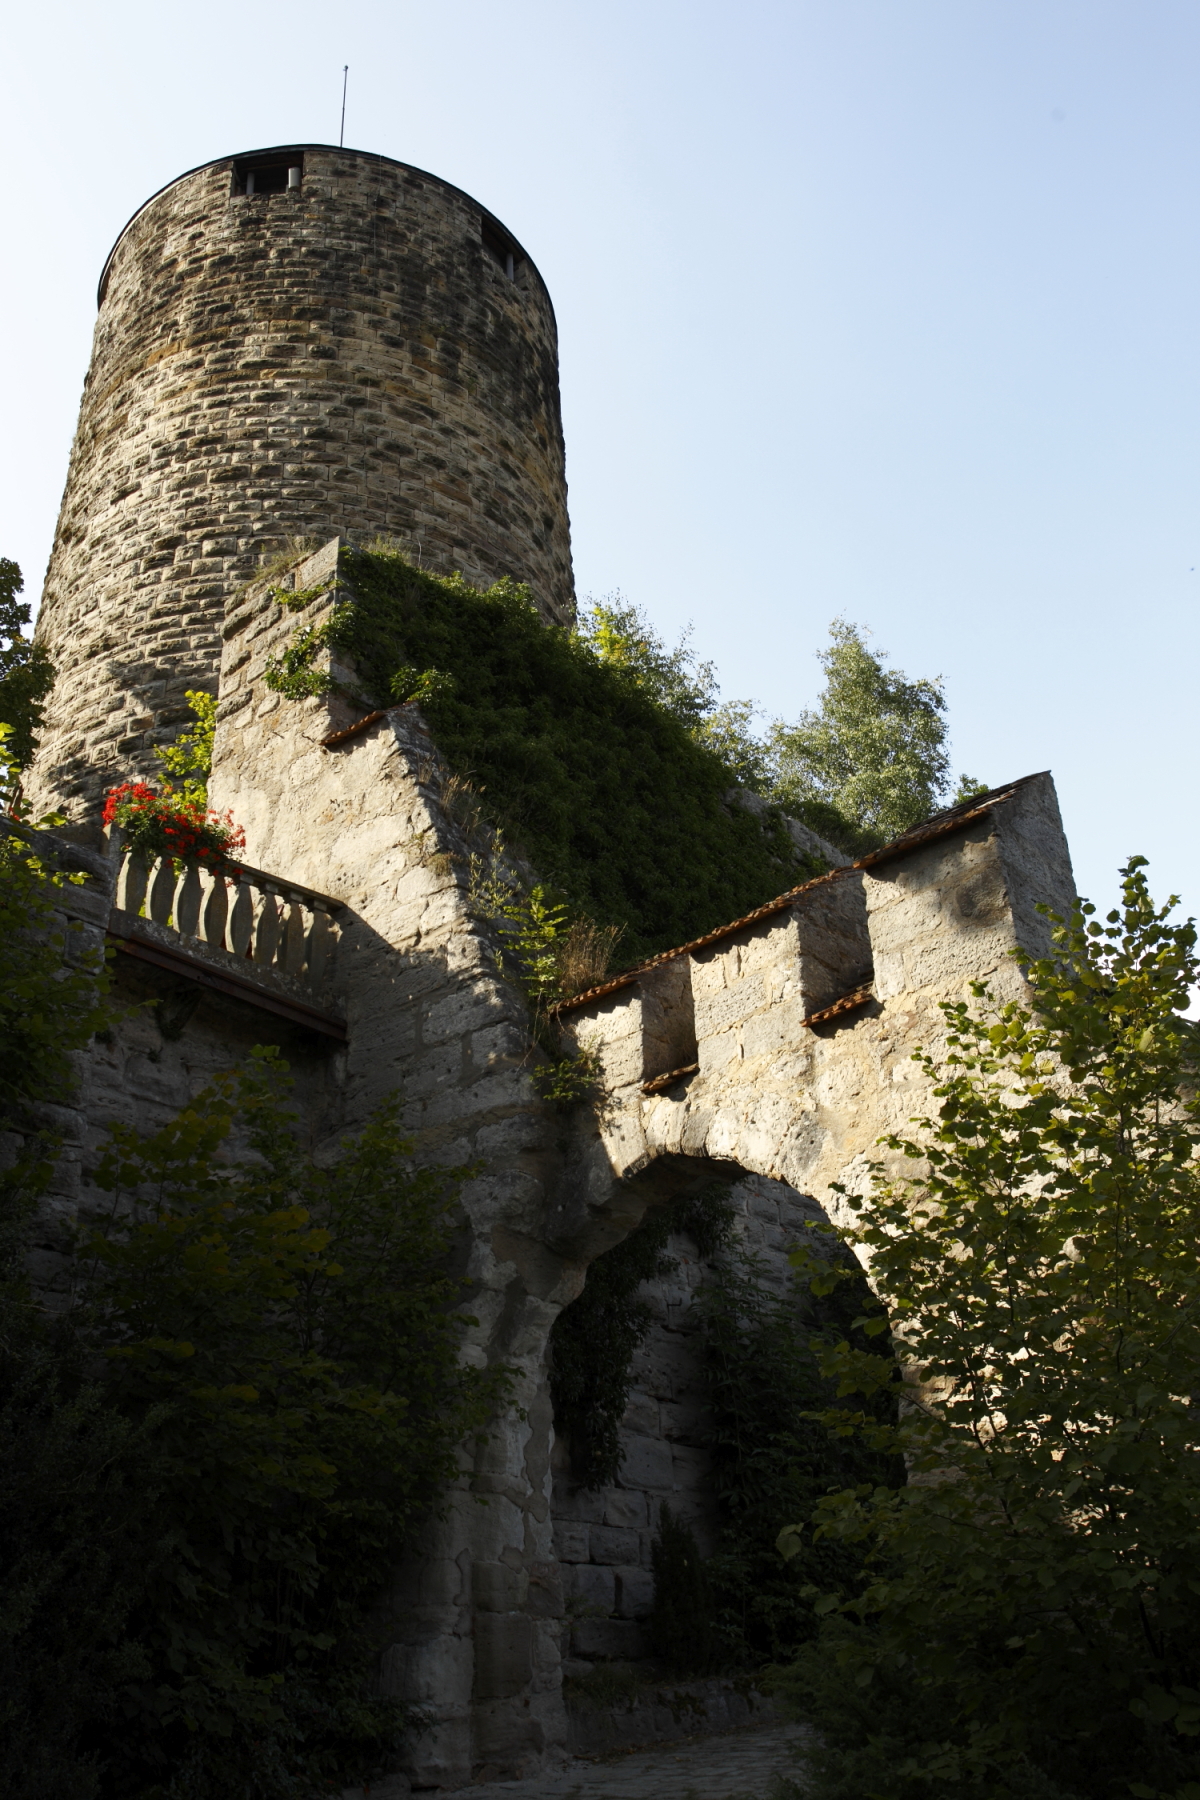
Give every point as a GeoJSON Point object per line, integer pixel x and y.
{"type": "Point", "coordinates": [188, 903]}
{"type": "Point", "coordinates": [266, 931]}
{"type": "Point", "coordinates": [162, 892]}
{"type": "Point", "coordinates": [241, 920]}
{"type": "Point", "coordinates": [134, 879]}
{"type": "Point", "coordinates": [269, 921]}
{"type": "Point", "coordinates": [216, 911]}
{"type": "Point", "coordinates": [319, 942]}
{"type": "Point", "coordinates": [291, 948]}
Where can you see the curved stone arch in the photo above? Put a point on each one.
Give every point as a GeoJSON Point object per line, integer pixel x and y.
{"type": "Point", "coordinates": [602, 1535]}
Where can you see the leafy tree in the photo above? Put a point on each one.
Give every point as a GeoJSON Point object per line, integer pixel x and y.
{"type": "Point", "coordinates": [623, 638]}
{"type": "Point", "coordinates": [189, 758]}
{"type": "Point", "coordinates": [872, 759]}
{"type": "Point", "coordinates": [1031, 1624]}
{"type": "Point", "coordinates": [292, 1328]}
{"type": "Point", "coordinates": [26, 672]}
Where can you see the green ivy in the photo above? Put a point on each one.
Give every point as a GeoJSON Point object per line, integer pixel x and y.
{"type": "Point", "coordinates": [681, 1623]}
{"type": "Point", "coordinates": [607, 794]}
{"type": "Point", "coordinates": [772, 1460]}
{"type": "Point", "coordinates": [293, 674]}
{"type": "Point", "coordinates": [296, 599]}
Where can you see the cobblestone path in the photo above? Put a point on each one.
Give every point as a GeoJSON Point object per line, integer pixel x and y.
{"type": "Point", "coordinates": [743, 1765]}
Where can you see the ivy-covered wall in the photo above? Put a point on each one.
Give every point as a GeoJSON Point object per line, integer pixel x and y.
{"type": "Point", "coordinates": [597, 784]}
{"type": "Point", "coordinates": [681, 1379]}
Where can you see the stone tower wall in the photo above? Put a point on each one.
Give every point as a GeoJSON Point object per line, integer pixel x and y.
{"type": "Point", "coordinates": [370, 352]}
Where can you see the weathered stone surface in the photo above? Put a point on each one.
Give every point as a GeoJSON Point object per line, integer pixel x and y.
{"type": "Point", "coordinates": [351, 356]}
{"type": "Point", "coordinates": [635, 1593]}
{"type": "Point", "coordinates": [503, 1655]}
{"type": "Point", "coordinates": [664, 1711]}
{"type": "Point", "coordinates": [608, 1640]}
{"type": "Point", "coordinates": [594, 1586]}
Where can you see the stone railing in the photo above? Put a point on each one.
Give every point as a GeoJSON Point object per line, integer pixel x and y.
{"type": "Point", "coordinates": [273, 923]}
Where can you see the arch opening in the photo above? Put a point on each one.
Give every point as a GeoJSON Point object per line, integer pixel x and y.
{"type": "Point", "coordinates": [696, 1332]}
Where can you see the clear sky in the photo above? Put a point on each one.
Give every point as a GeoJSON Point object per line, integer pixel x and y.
{"type": "Point", "coordinates": [881, 308]}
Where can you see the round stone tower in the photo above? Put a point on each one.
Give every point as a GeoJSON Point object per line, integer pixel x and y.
{"type": "Point", "coordinates": [292, 343]}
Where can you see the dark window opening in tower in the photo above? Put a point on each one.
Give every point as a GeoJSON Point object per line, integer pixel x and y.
{"type": "Point", "coordinates": [501, 249]}
{"type": "Point", "coordinates": [276, 176]}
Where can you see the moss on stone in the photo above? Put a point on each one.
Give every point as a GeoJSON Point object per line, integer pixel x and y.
{"type": "Point", "coordinates": [604, 791]}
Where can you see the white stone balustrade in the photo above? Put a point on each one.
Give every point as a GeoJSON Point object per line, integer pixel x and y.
{"type": "Point", "coordinates": [273, 923]}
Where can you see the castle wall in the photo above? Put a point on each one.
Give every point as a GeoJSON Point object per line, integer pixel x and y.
{"type": "Point", "coordinates": [351, 355]}
{"type": "Point", "coordinates": [476, 1616]}
{"type": "Point", "coordinates": [603, 1537]}
{"type": "Point", "coordinates": [525, 1573]}
{"type": "Point", "coordinates": [807, 1104]}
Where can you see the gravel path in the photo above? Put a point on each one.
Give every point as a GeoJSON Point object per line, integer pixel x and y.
{"type": "Point", "coordinates": [743, 1765]}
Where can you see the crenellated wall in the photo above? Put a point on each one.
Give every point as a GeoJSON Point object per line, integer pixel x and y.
{"type": "Point", "coordinates": [773, 1053]}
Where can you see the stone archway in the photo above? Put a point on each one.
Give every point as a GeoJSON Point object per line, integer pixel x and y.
{"type": "Point", "coordinates": [603, 1530]}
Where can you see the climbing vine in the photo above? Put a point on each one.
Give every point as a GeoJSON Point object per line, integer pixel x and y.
{"type": "Point", "coordinates": [620, 810]}
{"type": "Point", "coordinates": [772, 1458]}
{"type": "Point", "coordinates": [593, 1340]}
{"type": "Point", "coordinates": [293, 674]}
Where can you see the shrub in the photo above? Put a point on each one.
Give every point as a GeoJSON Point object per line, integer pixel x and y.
{"type": "Point", "coordinates": [292, 1331]}
{"type": "Point", "coordinates": [1029, 1625]}
{"type": "Point", "coordinates": [26, 672]}
{"type": "Point", "coordinates": [772, 1460]}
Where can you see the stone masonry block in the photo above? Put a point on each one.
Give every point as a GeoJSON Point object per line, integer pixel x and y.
{"type": "Point", "coordinates": [647, 1464]}
{"type": "Point", "coordinates": [641, 1414]}
{"type": "Point", "coordinates": [579, 1503]}
{"type": "Point", "coordinates": [623, 1507]}
{"type": "Point", "coordinates": [571, 1541]}
{"type": "Point", "coordinates": [613, 1544]}
{"type": "Point", "coordinates": [544, 1599]}
{"type": "Point", "coordinates": [593, 1585]}
{"type": "Point", "coordinates": [499, 1589]}
{"type": "Point", "coordinates": [608, 1640]}
{"type": "Point", "coordinates": [635, 1593]}
{"type": "Point", "coordinates": [503, 1654]}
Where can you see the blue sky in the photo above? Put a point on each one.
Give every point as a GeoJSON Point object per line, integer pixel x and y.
{"type": "Point", "coordinates": [880, 308]}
